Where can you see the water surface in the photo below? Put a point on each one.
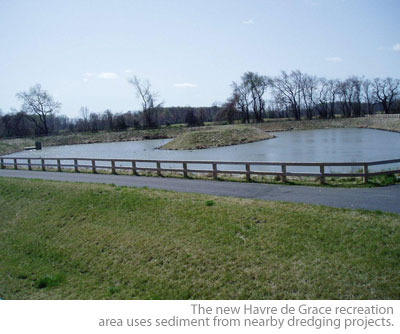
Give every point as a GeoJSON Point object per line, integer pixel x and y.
{"type": "Point", "coordinates": [323, 145]}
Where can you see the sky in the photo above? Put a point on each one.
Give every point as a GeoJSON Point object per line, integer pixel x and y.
{"type": "Point", "coordinates": [84, 52]}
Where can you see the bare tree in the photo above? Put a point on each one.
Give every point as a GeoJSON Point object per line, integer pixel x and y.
{"type": "Point", "coordinates": [38, 105]}
{"type": "Point", "coordinates": [94, 121]}
{"type": "Point", "coordinates": [322, 99]}
{"type": "Point", "coordinates": [84, 111]}
{"type": "Point", "coordinates": [107, 119]}
{"type": "Point", "coordinates": [333, 86]}
{"type": "Point", "coordinates": [326, 94]}
{"type": "Point", "coordinates": [287, 91]}
{"type": "Point", "coordinates": [241, 94]}
{"type": "Point", "coordinates": [344, 96]}
{"type": "Point", "coordinates": [386, 91]}
{"type": "Point", "coordinates": [257, 85]}
{"type": "Point", "coordinates": [354, 85]}
{"type": "Point", "coordinates": [228, 111]}
{"type": "Point", "coordinates": [308, 87]}
{"type": "Point", "coordinates": [367, 95]}
{"type": "Point", "coordinates": [149, 107]}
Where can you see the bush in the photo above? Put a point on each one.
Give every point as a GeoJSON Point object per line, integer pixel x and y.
{"type": "Point", "coordinates": [384, 180]}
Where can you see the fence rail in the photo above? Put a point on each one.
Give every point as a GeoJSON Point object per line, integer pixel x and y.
{"type": "Point", "coordinates": [385, 115]}
{"type": "Point", "coordinates": [75, 164]}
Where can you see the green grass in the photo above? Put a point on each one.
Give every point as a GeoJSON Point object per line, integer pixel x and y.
{"type": "Point", "coordinates": [216, 137]}
{"type": "Point", "coordinates": [83, 241]}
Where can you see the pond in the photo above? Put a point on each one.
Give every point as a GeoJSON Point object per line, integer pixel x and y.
{"type": "Point", "coordinates": [323, 145]}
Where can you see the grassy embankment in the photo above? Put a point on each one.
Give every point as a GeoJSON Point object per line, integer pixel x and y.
{"type": "Point", "coordinates": [380, 123]}
{"type": "Point", "coordinates": [12, 145]}
{"type": "Point", "coordinates": [83, 241]}
{"type": "Point", "coordinates": [216, 137]}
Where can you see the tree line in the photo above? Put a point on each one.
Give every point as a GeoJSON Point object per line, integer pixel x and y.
{"type": "Point", "coordinates": [38, 116]}
{"type": "Point", "coordinates": [300, 95]}
{"type": "Point", "coordinates": [254, 98]}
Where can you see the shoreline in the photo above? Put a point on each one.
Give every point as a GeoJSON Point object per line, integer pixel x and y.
{"type": "Point", "coordinates": [204, 148]}
{"type": "Point", "coordinates": [9, 146]}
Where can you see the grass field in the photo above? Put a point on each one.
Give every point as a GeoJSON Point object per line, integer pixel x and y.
{"type": "Point", "coordinates": [82, 241]}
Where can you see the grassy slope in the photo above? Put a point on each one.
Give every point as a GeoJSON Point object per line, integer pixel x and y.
{"type": "Point", "coordinates": [216, 137]}
{"type": "Point", "coordinates": [390, 124]}
{"type": "Point", "coordinates": [14, 145]}
{"type": "Point", "coordinates": [65, 240]}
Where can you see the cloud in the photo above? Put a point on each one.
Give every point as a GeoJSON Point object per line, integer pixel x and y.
{"type": "Point", "coordinates": [88, 75]}
{"type": "Point", "coordinates": [396, 47]}
{"type": "Point", "coordinates": [129, 71]}
{"type": "Point", "coordinates": [250, 21]}
{"type": "Point", "coordinates": [101, 75]}
{"type": "Point", "coordinates": [334, 59]}
{"type": "Point", "coordinates": [185, 85]}
{"type": "Point", "coordinates": [107, 75]}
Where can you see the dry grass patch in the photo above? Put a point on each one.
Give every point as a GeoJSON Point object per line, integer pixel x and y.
{"type": "Point", "coordinates": [215, 137]}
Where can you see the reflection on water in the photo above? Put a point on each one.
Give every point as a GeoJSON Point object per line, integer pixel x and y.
{"type": "Point", "coordinates": [324, 145]}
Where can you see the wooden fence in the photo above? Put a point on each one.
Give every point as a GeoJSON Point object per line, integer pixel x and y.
{"type": "Point", "coordinates": [385, 115]}
{"type": "Point", "coordinates": [74, 164]}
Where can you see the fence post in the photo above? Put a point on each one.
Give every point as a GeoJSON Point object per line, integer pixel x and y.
{"type": "Point", "coordinates": [322, 171]}
{"type": "Point", "coordinates": [43, 167]}
{"type": "Point", "coordinates": [134, 168]}
{"type": "Point", "coordinates": [248, 176]}
{"type": "Point", "coordinates": [185, 174]}
{"type": "Point", "coordinates": [94, 166]}
{"type": "Point", "coordinates": [113, 167]}
{"type": "Point", "coordinates": [215, 171]}
{"type": "Point", "coordinates": [76, 165]}
{"type": "Point", "coordinates": [58, 165]}
{"type": "Point", "coordinates": [158, 168]}
{"type": "Point", "coordinates": [366, 177]}
{"type": "Point", "coordinates": [2, 163]}
{"type": "Point", "coordinates": [29, 164]}
{"type": "Point", "coordinates": [283, 178]}
{"type": "Point", "coordinates": [15, 164]}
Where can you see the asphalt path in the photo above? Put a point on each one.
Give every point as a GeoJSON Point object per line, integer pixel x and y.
{"type": "Point", "coordinates": [383, 198]}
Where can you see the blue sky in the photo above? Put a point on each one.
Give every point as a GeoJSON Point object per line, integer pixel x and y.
{"type": "Point", "coordinates": [83, 52]}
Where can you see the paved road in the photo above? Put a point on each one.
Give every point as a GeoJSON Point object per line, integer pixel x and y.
{"type": "Point", "coordinates": [384, 199]}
